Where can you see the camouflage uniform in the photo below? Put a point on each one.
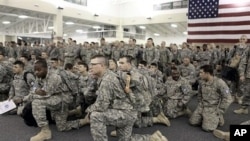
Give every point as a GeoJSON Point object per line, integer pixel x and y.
{"type": "Point", "coordinates": [176, 96]}
{"type": "Point", "coordinates": [116, 53]}
{"type": "Point", "coordinates": [165, 58]}
{"type": "Point", "coordinates": [185, 52]}
{"type": "Point", "coordinates": [133, 52]}
{"type": "Point", "coordinates": [69, 54]}
{"type": "Point", "coordinates": [244, 70]}
{"type": "Point", "coordinates": [205, 57]}
{"type": "Point", "coordinates": [19, 87]}
{"type": "Point", "coordinates": [151, 55]}
{"type": "Point", "coordinates": [112, 107]}
{"type": "Point", "coordinates": [6, 77]}
{"type": "Point", "coordinates": [188, 72]}
{"type": "Point", "coordinates": [213, 100]}
{"type": "Point", "coordinates": [56, 99]}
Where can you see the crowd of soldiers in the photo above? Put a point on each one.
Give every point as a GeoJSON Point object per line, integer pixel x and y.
{"type": "Point", "coordinates": [124, 85]}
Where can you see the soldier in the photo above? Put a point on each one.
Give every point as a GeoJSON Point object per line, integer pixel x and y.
{"type": "Point", "coordinates": [185, 51]}
{"type": "Point", "coordinates": [150, 53]}
{"type": "Point", "coordinates": [113, 106]}
{"type": "Point", "coordinates": [116, 51]}
{"type": "Point", "coordinates": [187, 70]}
{"type": "Point", "coordinates": [213, 100]}
{"type": "Point", "coordinates": [105, 49]}
{"type": "Point", "coordinates": [177, 94]}
{"type": "Point", "coordinates": [132, 50]}
{"type": "Point", "coordinates": [53, 51]}
{"type": "Point", "coordinates": [50, 93]}
{"type": "Point", "coordinates": [205, 55]}
{"type": "Point", "coordinates": [21, 84]}
{"type": "Point", "coordinates": [113, 65]}
{"type": "Point", "coordinates": [165, 57]}
{"type": "Point", "coordinates": [27, 65]}
{"type": "Point", "coordinates": [244, 71]}
{"type": "Point", "coordinates": [69, 52]}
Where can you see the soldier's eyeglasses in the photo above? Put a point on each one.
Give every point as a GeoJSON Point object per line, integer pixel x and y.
{"type": "Point", "coordinates": [93, 64]}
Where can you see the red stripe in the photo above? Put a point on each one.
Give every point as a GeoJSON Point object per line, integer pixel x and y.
{"type": "Point", "coordinates": [222, 6]}
{"type": "Point", "coordinates": [212, 40]}
{"type": "Point", "coordinates": [240, 14]}
{"type": "Point", "coordinates": [218, 32]}
{"type": "Point", "coordinates": [219, 24]}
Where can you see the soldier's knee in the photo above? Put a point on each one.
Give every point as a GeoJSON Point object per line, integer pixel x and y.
{"type": "Point", "coordinates": [96, 116]}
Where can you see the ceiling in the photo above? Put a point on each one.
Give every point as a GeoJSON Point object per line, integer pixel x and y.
{"type": "Point", "coordinates": [42, 23]}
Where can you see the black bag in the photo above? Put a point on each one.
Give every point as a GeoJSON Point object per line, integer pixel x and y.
{"type": "Point", "coordinates": [28, 116]}
{"type": "Point", "coordinates": [230, 73]}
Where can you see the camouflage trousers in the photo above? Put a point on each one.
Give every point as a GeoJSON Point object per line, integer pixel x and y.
{"type": "Point", "coordinates": [172, 109]}
{"type": "Point", "coordinates": [68, 60]}
{"type": "Point", "coordinates": [59, 112]}
{"type": "Point", "coordinates": [123, 120]}
{"type": "Point", "coordinates": [156, 106]}
{"type": "Point", "coordinates": [208, 117]}
{"type": "Point", "coordinates": [245, 89]}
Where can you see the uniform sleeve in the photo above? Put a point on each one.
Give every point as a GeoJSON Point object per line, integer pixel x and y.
{"type": "Point", "coordinates": [104, 94]}
{"type": "Point", "coordinates": [226, 98]}
{"type": "Point", "coordinates": [186, 90]}
{"type": "Point", "coordinates": [30, 80]}
{"type": "Point", "coordinates": [243, 63]}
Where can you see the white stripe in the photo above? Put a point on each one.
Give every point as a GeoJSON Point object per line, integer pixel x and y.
{"type": "Point", "coordinates": [216, 28]}
{"type": "Point", "coordinates": [224, 19]}
{"type": "Point", "coordinates": [237, 2]}
{"type": "Point", "coordinates": [234, 10]}
{"type": "Point", "coordinates": [212, 36]}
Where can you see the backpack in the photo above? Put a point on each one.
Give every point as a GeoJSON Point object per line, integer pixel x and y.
{"type": "Point", "coordinates": [70, 82]}
{"type": "Point", "coordinates": [142, 95]}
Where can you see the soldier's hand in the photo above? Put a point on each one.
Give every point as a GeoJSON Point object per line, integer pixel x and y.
{"type": "Point", "coordinates": [40, 92]}
{"type": "Point", "coordinates": [242, 78]}
{"type": "Point", "coordinates": [127, 90]}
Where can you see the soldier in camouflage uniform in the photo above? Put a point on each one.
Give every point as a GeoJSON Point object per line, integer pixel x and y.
{"type": "Point", "coordinates": [132, 50]}
{"type": "Point", "coordinates": [116, 51]}
{"type": "Point", "coordinates": [105, 48]}
{"type": "Point", "coordinates": [69, 52]}
{"type": "Point", "coordinates": [205, 55]}
{"type": "Point", "coordinates": [50, 93]}
{"type": "Point", "coordinates": [177, 93]}
{"type": "Point", "coordinates": [20, 86]}
{"type": "Point", "coordinates": [150, 53]}
{"type": "Point", "coordinates": [185, 51]}
{"type": "Point", "coordinates": [213, 100]}
{"type": "Point", "coordinates": [165, 57]}
{"type": "Point", "coordinates": [244, 72]}
{"type": "Point", "coordinates": [187, 70]}
{"type": "Point", "coordinates": [113, 106]}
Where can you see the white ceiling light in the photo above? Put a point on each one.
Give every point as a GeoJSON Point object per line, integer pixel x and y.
{"type": "Point", "coordinates": [156, 34]}
{"type": "Point", "coordinates": [6, 22]}
{"type": "Point", "coordinates": [174, 25]}
{"type": "Point", "coordinates": [50, 27]}
{"type": "Point", "coordinates": [142, 27]}
{"type": "Point", "coordinates": [79, 31]}
{"type": "Point", "coordinates": [69, 23]}
{"type": "Point", "coordinates": [22, 16]}
{"type": "Point", "coordinates": [65, 34]}
{"type": "Point", "coordinates": [185, 32]}
{"type": "Point", "coordinates": [96, 27]}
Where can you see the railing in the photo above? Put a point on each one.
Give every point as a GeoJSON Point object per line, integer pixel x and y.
{"type": "Point", "coordinates": [80, 2]}
{"type": "Point", "coordinates": [171, 5]}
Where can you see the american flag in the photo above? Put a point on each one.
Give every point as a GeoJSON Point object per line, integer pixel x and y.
{"type": "Point", "coordinates": [218, 21]}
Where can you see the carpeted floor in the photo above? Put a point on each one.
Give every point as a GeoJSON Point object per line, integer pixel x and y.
{"type": "Point", "coordinates": [12, 128]}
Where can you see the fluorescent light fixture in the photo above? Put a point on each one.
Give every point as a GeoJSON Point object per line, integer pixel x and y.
{"type": "Point", "coordinates": [142, 27]}
{"type": "Point", "coordinates": [174, 25]}
{"type": "Point", "coordinates": [65, 34]}
{"type": "Point", "coordinates": [19, 38]}
{"type": "Point", "coordinates": [185, 33]}
{"type": "Point", "coordinates": [156, 34]}
{"type": "Point", "coordinates": [96, 27]}
{"type": "Point", "coordinates": [69, 23]}
{"type": "Point", "coordinates": [50, 27]}
{"type": "Point", "coordinates": [79, 31]}
{"type": "Point", "coordinates": [35, 32]}
{"type": "Point", "coordinates": [6, 22]}
{"type": "Point", "coordinates": [22, 16]}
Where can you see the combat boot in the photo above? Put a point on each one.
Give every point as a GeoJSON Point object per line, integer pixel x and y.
{"type": "Point", "coordinates": [44, 134]}
{"type": "Point", "coordinates": [77, 112]}
{"type": "Point", "coordinates": [113, 133]}
{"type": "Point", "coordinates": [222, 135]}
{"type": "Point", "coordinates": [242, 110]}
{"type": "Point", "coordinates": [161, 118]}
{"type": "Point", "coordinates": [84, 121]}
{"type": "Point", "coordinates": [157, 136]}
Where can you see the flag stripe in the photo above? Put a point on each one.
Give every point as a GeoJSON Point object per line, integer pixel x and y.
{"type": "Point", "coordinates": [220, 24]}
{"type": "Point", "coordinates": [219, 32]}
{"type": "Point", "coordinates": [232, 21]}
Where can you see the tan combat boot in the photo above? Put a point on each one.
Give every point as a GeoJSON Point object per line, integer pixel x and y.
{"type": "Point", "coordinates": [84, 121]}
{"type": "Point", "coordinates": [161, 118]}
{"type": "Point", "coordinates": [222, 135]}
{"type": "Point", "coordinates": [242, 110]}
{"type": "Point", "coordinates": [157, 136]}
{"type": "Point", "coordinates": [77, 112]}
{"type": "Point", "coordinates": [113, 133]}
{"type": "Point", "coordinates": [44, 134]}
